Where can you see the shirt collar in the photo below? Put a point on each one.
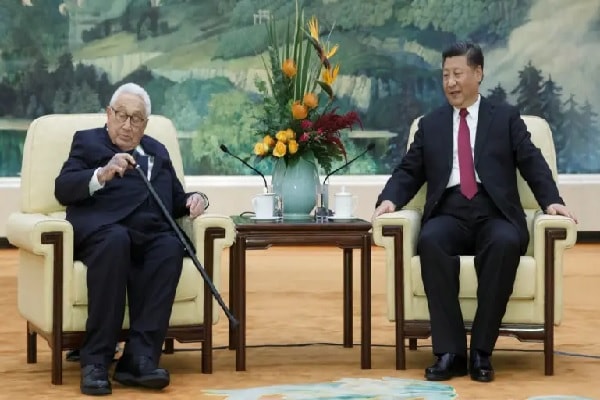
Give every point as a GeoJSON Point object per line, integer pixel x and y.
{"type": "Point", "coordinates": [473, 109]}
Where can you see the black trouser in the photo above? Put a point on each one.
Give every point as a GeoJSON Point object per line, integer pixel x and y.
{"type": "Point", "coordinates": [146, 265]}
{"type": "Point", "coordinates": [461, 227]}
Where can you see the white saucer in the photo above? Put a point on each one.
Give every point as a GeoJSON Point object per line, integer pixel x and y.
{"type": "Point", "coordinates": [265, 219]}
{"type": "Point", "coordinates": [334, 217]}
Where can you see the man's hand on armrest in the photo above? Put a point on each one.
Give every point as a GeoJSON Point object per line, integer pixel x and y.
{"type": "Point", "coordinates": [386, 206]}
{"type": "Point", "coordinates": [559, 209]}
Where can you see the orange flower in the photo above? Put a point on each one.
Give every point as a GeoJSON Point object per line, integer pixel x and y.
{"type": "Point", "coordinates": [289, 68]}
{"type": "Point", "coordinates": [310, 100]}
{"type": "Point", "coordinates": [282, 136]}
{"type": "Point", "coordinates": [279, 150]}
{"type": "Point", "coordinates": [299, 111]}
{"type": "Point", "coordinates": [293, 146]}
{"type": "Point", "coordinates": [260, 149]}
{"type": "Point", "coordinates": [268, 140]}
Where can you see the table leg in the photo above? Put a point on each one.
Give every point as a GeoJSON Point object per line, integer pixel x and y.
{"type": "Point", "coordinates": [240, 350]}
{"type": "Point", "coordinates": [365, 306]}
{"type": "Point", "coordinates": [232, 293]}
{"type": "Point", "coordinates": [348, 298]}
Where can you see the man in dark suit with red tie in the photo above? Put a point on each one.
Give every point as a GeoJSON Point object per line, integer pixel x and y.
{"type": "Point", "coordinates": [125, 241]}
{"type": "Point", "coordinates": [468, 152]}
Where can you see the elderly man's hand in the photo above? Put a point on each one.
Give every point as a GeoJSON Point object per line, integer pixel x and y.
{"type": "Point", "coordinates": [559, 209]}
{"type": "Point", "coordinates": [386, 206]}
{"type": "Point", "coordinates": [195, 203]}
{"type": "Point", "coordinates": [117, 165]}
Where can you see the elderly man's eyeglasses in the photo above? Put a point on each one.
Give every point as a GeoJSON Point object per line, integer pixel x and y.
{"type": "Point", "coordinates": [122, 117]}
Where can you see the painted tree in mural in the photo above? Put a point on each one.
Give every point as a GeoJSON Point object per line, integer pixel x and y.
{"type": "Point", "coordinates": [528, 90]}
{"type": "Point", "coordinates": [230, 121]}
{"type": "Point", "coordinates": [573, 129]}
{"type": "Point", "coordinates": [590, 150]}
{"type": "Point", "coordinates": [497, 95]}
{"type": "Point", "coordinates": [550, 97]}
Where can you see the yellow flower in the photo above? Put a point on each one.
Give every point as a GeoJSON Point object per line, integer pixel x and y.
{"type": "Point", "coordinates": [268, 140]}
{"type": "Point", "coordinates": [331, 52]}
{"type": "Point", "coordinates": [260, 149]}
{"type": "Point", "coordinates": [293, 146]}
{"type": "Point", "coordinates": [313, 27]}
{"type": "Point", "coordinates": [279, 150]}
{"type": "Point", "coordinates": [299, 111]}
{"type": "Point", "coordinates": [330, 75]}
{"type": "Point", "coordinates": [282, 136]}
{"type": "Point", "coordinates": [290, 134]}
{"type": "Point", "coordinates": [289, 68]}
{"type": "Point", "coordinates": [310, 100]}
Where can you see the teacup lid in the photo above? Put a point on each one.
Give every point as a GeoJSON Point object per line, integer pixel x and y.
{"type": "Point", "coordinates": [343, 192]}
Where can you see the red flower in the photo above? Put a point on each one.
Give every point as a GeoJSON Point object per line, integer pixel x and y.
{"type": "Point", "coordinates": [304, 137]}
{"type": "Point", "coordinates": [333, 123]}
{"type": "Point", "coordinates": [306, 124]}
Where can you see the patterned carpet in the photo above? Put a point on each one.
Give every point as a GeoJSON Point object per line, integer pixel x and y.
{"type": "Point", "coordinates": [357, 389]}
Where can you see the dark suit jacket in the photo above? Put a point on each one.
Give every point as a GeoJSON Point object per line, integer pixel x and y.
{"type": "Point", "coordinates": [119, 197]}
{"type": "Point", "coordinates": [502, 144]}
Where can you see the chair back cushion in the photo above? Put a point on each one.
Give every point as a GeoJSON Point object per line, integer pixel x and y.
{"type": "Point", "coordinates": [47, 146]}
{"type": "Point", "coordinates": [541, 136]}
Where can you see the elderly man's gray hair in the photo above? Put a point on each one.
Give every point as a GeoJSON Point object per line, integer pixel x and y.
{"type": "Point", "coordinates": [132, 88]}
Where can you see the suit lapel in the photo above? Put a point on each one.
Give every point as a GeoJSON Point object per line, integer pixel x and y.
{"type": "Point", "coordinates": [446, 139]}
{"type": "Point", "coordinates": [486, 111]}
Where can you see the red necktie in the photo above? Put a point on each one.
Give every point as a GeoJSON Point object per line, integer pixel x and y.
{"type": "Point", "coordinates": [468, 185]}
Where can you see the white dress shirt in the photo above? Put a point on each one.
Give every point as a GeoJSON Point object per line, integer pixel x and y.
{"type": "Point", "coordinates": [472, 119]}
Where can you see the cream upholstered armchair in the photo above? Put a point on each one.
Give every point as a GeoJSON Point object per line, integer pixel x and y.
{"type": "Point", "coordinates": [536, 303]}
{"type": "Point", "coordinates": [52, 290]}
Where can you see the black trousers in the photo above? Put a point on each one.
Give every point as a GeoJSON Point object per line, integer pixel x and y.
{"type": "Point", "coordinates": [139, 258]}
{"type": "Point", "coordinates": [467, 227]}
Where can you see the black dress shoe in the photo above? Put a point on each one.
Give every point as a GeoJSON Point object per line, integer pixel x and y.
{"type": "Point", "coordinates": [94, 380]}
{"type": "Point", "coordinates": [447, 366]}
{"type": "Point", "coordinates": [480, 367]}
{"type": "Point", "coordinates": [140, 371]}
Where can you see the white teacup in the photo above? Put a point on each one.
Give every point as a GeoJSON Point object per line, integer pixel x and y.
{"type": "Point", "coordinates": [345, 204]}
{"type": "Point", "coordinates": [267, 205]}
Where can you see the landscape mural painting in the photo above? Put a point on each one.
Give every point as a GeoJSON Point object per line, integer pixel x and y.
{"type": "Point", "coordinates": [199, 61]}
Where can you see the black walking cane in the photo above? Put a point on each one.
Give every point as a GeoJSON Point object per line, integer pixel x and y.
{"type": "Point", "coordinates": [232, 320]}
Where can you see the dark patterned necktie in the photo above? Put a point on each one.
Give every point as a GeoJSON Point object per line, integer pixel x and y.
{"type": "Point", "coordinates": [468, 184]}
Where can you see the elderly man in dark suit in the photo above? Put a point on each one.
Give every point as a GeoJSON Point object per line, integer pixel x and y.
{"type": "Point", "coordinates": [125, 241]}
{"type": "Point", "coordinates": [467, 152]}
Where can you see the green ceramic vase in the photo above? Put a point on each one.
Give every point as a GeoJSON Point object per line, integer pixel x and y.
{"type": "Point", "coordinates": [297, 181]}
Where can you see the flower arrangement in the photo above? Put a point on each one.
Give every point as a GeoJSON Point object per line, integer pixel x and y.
{"type": "Point", "coordinates": [299, 119]}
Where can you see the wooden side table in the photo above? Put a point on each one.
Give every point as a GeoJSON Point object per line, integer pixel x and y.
{"type": "Point", "coordinates": [345, 234]}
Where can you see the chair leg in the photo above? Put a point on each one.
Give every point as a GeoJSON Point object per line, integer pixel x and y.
{"type": "Point", "coordinates": [56, 354]}
{"type": "Point", "coordinates": [31, 346]}
{"type": "Point", "coordinates": [548, 354]}
{"type": "Point", "coordinates": [206, 358]}
{"type": "Point", "coordinates": [169, 346]}
{"type": "Point", "coordinates": [412, 343]}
